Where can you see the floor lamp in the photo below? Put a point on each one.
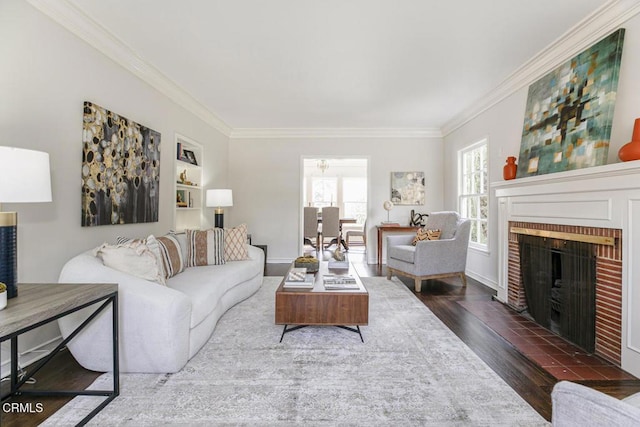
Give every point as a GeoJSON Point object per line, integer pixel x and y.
{"type": "Point", "coordinates": [219, 199]}
{"type": "Point", "coordinates": [24, 178]}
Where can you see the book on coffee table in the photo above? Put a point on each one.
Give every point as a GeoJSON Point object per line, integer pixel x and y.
{"type": "Point", "coordinates": [299, 278]}
{"type": "Point", "coordinates": [339, 281]}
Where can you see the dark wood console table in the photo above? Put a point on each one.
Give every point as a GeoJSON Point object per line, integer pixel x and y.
{"type": "Point", "coordinates": [38, 304]}
{"type": "Point", "coordinates": [383, 228]}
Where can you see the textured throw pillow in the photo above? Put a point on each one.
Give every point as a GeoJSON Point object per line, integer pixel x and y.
{"type": "Point", "coordinates": [171, 253]}
{"type": "Point", "coordinates": [134, 257]}
{"type": "Point", "coordinates": [424, 234]}
{"type": "Point", "coordinates": [153, 245]}
{"type": "Point", "coordinates": [235, 243]}
{"type": "Point", "coordinates": [205, 247]}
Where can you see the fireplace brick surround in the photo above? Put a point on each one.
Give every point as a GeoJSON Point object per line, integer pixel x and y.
{"type": "Point", "coordinates": [608, 283]}
{"type": "Point", "coordinates": [597, 200]}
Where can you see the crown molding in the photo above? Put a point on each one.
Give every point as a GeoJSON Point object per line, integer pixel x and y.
{"type": "Point", "coordinates": [80, 24]}
{"type": "Point", "coordinates": [280, 133]}
{"type": "Point", "coordinates": [594, 27]}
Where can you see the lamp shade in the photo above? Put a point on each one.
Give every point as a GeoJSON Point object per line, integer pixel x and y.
{"type": "Point", "coordinates": [219, 198]}
{"type": "Point", "coordinates": [24, 176]}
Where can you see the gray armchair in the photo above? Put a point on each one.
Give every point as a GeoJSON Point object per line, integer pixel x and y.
{"type": "Point", "coordinates": [574, 405]}
{"type": "Point", "coordinates": [431, 259]}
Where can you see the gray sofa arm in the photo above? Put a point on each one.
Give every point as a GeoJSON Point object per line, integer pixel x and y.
{"type": "Point", "coordinates": [576, 405]}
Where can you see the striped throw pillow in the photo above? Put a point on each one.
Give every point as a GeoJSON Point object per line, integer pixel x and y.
{"type": "Point", "coordinates": [424, 234]}
{"type": "Point", "coordinates": [171, 255]}
{"type": "Point", "coordinates": [235, 243]}
{"type": "Point", "coordinates": [205, 247]}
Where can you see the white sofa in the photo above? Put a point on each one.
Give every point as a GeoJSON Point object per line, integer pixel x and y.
{"type": "Point", "coordinates": [160, 327]}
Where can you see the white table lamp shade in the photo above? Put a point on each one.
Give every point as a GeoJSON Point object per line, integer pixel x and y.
{"type": "Point", "coordinates": [24, 176]}
{"type": "Point", "coordinates": [219, 198]}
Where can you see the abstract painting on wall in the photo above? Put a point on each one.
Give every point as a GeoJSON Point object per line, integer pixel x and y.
{"type": "Point", "coordinates": [407, 188]}
{"type": "Point", "coordinates": [567, 123]}
{"type": "Point", "coordinates": [120, 169]}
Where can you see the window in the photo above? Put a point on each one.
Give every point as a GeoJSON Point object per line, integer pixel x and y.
{"type": "Point", "coordinates": [354, 198]}
{"type": "Point", "coordinates": [324, 191]}
{"type": "Point", "coordinates": [473, 197]}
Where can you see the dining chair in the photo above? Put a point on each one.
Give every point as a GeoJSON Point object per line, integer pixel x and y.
{"type": "Point", "coordinates": [355, 230]}
{"type": "Point", "coordinates": [311, 230]}
{"type": "Point", "coordinates": [331, 225]}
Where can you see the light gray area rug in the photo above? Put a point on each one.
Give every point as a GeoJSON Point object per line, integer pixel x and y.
{"type": "Point", "coordinates": [411, 370]}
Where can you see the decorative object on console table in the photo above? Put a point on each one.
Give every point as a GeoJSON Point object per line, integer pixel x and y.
{"type": "Point", "coordinates": [219, 199]}
{"type": "Point", "coordinates": [407, 188]}
{"type": "Point", "coordinates": [510, 169]}
{"type": "Point", "coordinates": [24, 178]}
{"type": "Point", "coordinates": [388, 205]}
{"type": "Point", "coordinates": [569, 112]}
{"type": "Point", "coordinates": [417, 219]}
{"type": "Point", "coordinates": [631, 150]}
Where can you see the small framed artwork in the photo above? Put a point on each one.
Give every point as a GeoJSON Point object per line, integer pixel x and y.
{"type": "Point", "coordinates": [407, 188]}
{"type": "Point", "coordinates": [189, 156]}
{"type": "Point", "coordinates": [181, 199]}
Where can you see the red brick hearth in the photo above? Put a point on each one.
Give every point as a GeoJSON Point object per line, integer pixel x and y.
{"type": "Point", "coordinates": [608, 284]}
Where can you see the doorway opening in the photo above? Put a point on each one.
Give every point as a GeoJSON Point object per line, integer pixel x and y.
{"type": "Point", "coordinates": [334, 182]}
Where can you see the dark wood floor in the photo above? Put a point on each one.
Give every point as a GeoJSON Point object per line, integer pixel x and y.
{"type": "Point", "coordinates": [441, 296]}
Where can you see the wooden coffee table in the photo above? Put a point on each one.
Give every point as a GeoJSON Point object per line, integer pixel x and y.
{"type": "Point", "coordinates": [317, 306]}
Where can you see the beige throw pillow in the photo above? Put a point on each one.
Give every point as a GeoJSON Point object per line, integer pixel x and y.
{"type": "Point", "coordinates": [423, 234]}
{"type": "Point", "coordinates": [134, 257]}
{"type": "Point", "coordinates": [235, 243]}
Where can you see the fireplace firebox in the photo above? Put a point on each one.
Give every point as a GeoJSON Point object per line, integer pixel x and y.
{"type": "Point", "coordinates": [559, 280]}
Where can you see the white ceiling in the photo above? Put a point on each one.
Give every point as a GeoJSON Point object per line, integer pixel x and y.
{"type": "Point", "coordinates": [412, 64]}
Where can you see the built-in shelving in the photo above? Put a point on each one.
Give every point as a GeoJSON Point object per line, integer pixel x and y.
{"type": "Point", "coordinates": [188, 169]}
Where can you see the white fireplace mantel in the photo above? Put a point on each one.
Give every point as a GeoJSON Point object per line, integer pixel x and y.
{"type": "Point", "coordinates": [603, 196]}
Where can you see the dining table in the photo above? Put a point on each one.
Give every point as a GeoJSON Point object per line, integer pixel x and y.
{"type": "Point", "coordinates": [342, 221]}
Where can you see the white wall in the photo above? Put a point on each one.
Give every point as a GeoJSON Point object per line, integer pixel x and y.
{"type": "Point", "coordinates": [502, 125]}
{"type": "Point", "coordinates": [46, 75]}
{"type": "Point", "coordinates": [266, 176]}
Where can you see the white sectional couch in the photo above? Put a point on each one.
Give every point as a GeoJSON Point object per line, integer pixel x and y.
{"type": "Point", "coordinates": [161, 327]}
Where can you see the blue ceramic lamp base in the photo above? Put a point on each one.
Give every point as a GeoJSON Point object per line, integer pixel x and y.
{"type": "Point", "coordinates": [218, 218]}
{"type": "Point", "coordinates": [9, 252]}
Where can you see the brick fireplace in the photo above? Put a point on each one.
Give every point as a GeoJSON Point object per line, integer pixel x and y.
{"type": "Point", "coordinates": [599, 201]}
{"type": "Point", "coordinates": [608, 258]}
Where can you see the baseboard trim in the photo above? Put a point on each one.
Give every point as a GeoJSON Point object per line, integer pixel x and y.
{"type": "Point", "coordinates": [30, 356]}
{"type": "Point", "coordinates": [482, 279]}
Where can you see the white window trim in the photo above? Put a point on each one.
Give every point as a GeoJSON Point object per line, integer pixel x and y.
{"type": "Point", "coordinates": [484, 248]}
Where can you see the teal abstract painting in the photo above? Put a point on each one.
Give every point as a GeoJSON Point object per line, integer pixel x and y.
{"type": "Point", "coordinates": [568, 116]}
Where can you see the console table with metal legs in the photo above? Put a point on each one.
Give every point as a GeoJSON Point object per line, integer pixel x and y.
{"type": "Point", "coordinates": [39, 304]}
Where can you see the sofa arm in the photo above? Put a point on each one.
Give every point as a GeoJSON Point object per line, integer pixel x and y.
{"type": "Point", "coordinates": [154, 322]}
{"type": "Point", "coordinates": [576, 405]}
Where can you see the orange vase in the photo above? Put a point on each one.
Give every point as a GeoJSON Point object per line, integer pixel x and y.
{"type": "Point", "coordinates": [510, 169]}
{"type": "Point", "coordinates": [631, 150]}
